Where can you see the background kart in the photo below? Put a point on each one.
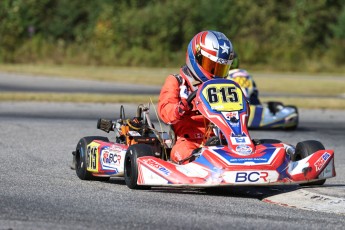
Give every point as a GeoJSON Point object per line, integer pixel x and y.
{"type": "Point", "coordinates": [230, 158]}
{"type": "Point", "coordinates": [269, 115]}
{"type": "Point", "coordinates": [273, 115]}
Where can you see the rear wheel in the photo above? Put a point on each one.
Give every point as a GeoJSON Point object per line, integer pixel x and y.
{"type": "Point", "coordinates": [81, 158]}
{"type": "Point", "coordinates": [305, 149]}
{"type": "Point", "coordinates": [131, 166]}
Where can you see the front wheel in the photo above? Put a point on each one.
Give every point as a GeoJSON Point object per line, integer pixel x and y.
{"type": "Point", "coordinates": [305, 149]}
{"type": "Point", "coordinates": [81, 158]}
{"type": "Point", "coordinates": [131, 165]}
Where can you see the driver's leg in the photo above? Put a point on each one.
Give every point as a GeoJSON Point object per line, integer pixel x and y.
{"type": "Point", "coordinates": [182, 150]}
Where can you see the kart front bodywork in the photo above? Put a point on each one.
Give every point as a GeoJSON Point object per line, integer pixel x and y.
{"type": "Point", "coordinates": [217, 166]}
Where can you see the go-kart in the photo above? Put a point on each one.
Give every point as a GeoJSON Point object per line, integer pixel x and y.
{"type": "Point", "coordinates": [230, 157]}
{"type": "Point", "coordinates": [268, 115]}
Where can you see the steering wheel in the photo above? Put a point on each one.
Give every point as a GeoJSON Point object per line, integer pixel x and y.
{"type": "Point", "coordinates": [191, 98]}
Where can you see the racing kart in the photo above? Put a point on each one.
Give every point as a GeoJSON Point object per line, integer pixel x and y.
{"type": "Point", "coordinates": [230, 157]}
{"type": "Point", "coordinates": [268, 115]}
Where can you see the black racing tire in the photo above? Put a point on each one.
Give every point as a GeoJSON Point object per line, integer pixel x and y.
{"type": "Point", "coordinates": [294, 127]}
{"type": "Point", "coordinates": [81, 161]}
{"type": "Point", "coordinates": [131, 166]}
{"type": "Point", "coordinates": [305, 149]}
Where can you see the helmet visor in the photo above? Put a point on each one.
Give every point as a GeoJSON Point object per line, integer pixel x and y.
{"type": "Point", "coordinates": [215, 68]}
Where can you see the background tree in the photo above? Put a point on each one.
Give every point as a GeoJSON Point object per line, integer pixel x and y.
{"type": "Point", "coordinates": [289, 35]}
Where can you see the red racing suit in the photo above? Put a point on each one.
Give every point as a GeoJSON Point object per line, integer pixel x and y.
{"type": "Point", "coordinates": [188, 124]}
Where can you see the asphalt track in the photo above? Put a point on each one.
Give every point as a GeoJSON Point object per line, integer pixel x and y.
{"type": "Point", "coordinates": [39, 191]}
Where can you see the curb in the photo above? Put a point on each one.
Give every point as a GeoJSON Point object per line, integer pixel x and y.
{"type": "Point", "coordinates": [306, 200]}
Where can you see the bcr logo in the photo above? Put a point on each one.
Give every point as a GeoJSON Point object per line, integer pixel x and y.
{"type": "Point", "coordinates": [251, 176]}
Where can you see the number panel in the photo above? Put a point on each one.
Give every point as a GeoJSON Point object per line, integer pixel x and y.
{"type": "Point", "coordinates": [92, 157]}
{"type": "Point", "coordinates": [223, 97]}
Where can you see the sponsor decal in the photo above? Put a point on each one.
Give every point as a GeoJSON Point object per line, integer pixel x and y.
{"type": "Point", "coordinates": [328, 171]}
{"type": "Point", "coordinates": [266, 158]}
{"type": "Point", "coordinates": [158, 166]}
{"type": "Point", "coordinates": [192, 170]}
{"type": "Point", "coordinates": [251, 176]}
{"type": "Point", "coordinates": [321, 161]}
{"type": "Point", "coordinates": [116, 148]}
{"type": "Point", "coordinates": [240, 140]}
{"type": "Point", "coordinates": [223, 61]}
{"type": "Point", "coordinates": [110, 157]}
{"type": "Point", "coordinates": [231, 115]}
{"type": "Point", "coordinates": [243, 149]}
{"type": "Point", "coordinates": [268, 176]}
{"type": "Point", "coordinates": [253, 159]}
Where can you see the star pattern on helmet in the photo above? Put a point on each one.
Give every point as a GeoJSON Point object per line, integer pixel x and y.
{"type": "Point", "coordinates": [225, 48]}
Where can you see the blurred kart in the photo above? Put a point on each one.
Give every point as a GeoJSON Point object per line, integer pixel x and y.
{"type": "Point", "coordinates": [269, 115]}
{"type": "Point", "coordinates": [230, 157]}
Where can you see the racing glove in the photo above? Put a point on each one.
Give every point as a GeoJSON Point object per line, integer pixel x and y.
{"type": "Point", "coordinates": [183, 104]}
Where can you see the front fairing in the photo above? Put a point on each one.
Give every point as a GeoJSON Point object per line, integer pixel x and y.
{"type": "Point", "coordinates": [224, 104]}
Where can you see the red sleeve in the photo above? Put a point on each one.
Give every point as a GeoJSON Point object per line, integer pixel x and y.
{"type": "Point", "coordinates": [169, 100]}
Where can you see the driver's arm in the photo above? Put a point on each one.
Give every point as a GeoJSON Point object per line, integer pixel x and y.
{"type": "Point", "coordinates": [170, 105]}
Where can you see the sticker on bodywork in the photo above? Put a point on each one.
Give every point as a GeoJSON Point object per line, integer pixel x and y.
{"type": "Point", "coordinates": [92, 157]}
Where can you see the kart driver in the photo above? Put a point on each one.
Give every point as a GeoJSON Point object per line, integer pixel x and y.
{"type": "Point", "coordinates": [209, 55]}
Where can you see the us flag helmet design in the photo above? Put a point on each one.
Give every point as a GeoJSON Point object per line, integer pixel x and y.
{"type": "Point", "coordinates": [209, 55]}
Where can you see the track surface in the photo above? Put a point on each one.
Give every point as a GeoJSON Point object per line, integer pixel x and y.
{"type": "Point", "coordinates": [39, 191]}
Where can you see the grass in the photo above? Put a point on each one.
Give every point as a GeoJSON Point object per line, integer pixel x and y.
{"type": "Point", "coordinates": [318, 85]}
{"type": "Point", "coordinates": [283, 83]}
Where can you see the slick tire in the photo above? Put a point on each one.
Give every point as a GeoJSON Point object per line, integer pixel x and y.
{"type": "Point", "coordinates": [131, 166]}
{"type": "Point", "coordinates": [305, 149]}
{"type": "Point", "coordinates": [81, 158]}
